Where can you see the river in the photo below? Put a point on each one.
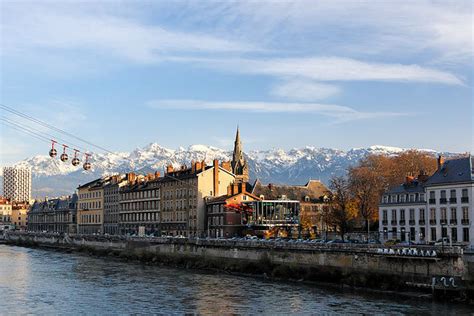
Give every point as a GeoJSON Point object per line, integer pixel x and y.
{"type": "Point", "coordinates": [36, 281]}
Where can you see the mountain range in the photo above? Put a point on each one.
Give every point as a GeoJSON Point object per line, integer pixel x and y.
{"type": "Point", "coordinates": [51, 177]}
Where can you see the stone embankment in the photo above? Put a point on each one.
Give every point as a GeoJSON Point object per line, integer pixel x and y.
{"type": "Point", "coordinates": [443, 272]}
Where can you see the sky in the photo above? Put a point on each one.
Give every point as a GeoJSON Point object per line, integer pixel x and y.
{"type": "Point", "coordinates": [337, 74]}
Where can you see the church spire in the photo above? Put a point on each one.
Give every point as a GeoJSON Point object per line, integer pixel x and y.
{"type": "Point", "coordinates": [239, 165]}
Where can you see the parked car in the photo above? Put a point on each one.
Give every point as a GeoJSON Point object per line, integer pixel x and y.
{"type": "Point", "coordinates": [392, 242]}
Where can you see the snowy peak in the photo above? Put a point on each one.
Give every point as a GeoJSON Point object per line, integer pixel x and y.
{"type": "Point", "coordinates": [294, 166]}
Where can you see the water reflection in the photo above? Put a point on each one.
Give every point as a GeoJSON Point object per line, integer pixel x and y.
{"type": "Point", "coordinates": [45, 282]}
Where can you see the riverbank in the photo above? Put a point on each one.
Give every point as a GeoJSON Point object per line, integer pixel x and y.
{"type": "Point", "coordinates": [342, 266]}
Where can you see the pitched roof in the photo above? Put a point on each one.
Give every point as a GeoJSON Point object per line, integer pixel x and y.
{"type": "Point", "coordinates": [414, 187]}
{"type": "Point", "coordinates": [313, 189]}
{"type": "Point", "coordinates": [458, 170]}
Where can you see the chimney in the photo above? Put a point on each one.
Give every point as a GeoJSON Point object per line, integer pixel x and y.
{"type": "Point", "coordinates": [242, 187]}
{"type": "Point", "coordinates": [270, 186]}
{"type": "Point", "coordinates": [229, 190]}
{"type": "Point", "coordinates": [157, 174]}
{"type": "Point", "coordinates": [409, 179]}
{"type": "Point", "coordinates": [193, 166]}
{"type": "Point", "coordinates": [226, 165]}
{"type": "Point", "coordinates": [203, 164]}
{"type": "Point", "coordinates": [169, 168]}
{"type": "Point", "coordinates": [235, 188]}
{"type": "Point", "coordinates": [216, 177]}
{"type": "Point", "coordinates": [422, 177]}
{"type": "Point", "coordinates": [131, 177]}
{"type": "Point", "coordinates": [149, 176]}
{"type": "Point", "coordinates": [440, 161]}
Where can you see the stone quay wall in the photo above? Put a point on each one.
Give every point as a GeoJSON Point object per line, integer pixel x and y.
{"type": "Point", "coordinates": [449, 272]}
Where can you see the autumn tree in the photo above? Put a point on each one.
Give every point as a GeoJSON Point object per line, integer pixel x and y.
{"type": "Point", "coordinates": [375, 174]}
{"type": "Point", "coordinates": [341, 205]}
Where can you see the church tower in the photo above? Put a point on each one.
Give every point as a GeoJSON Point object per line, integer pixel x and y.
{"type": "Point", "coordinates": [239, 166]}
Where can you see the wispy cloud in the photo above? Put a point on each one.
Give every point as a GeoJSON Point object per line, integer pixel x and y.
{"type": "Point", "coordinates": [104, 34]}
{"type": "Point", "coordinates": [301, 90]}
{"type": "Point", "coordinates": [338, 113]}
{"type": "Point", "coordinates": [330, 69]}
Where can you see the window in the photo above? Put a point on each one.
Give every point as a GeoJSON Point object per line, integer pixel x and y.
{"type": "Point", "coordinates": [465, 234]}
{"type": "Point", "coordinates": [433, 233]}
{"type": "Point", "coordinates": [385, 217]}
{"type": "Point", "coordinates": [402, 198]}
{"type": "Point", "coordinates": [402, 215]}
{"type": "Point", "coordinates": [453, 213]}
{"type": "Point", "coordinates": [422, 214]}
{"type": "Point", "coordinates": [422, 233]}
{"type": "Point", "coordinates": [454, 234]}
{"type": "Point", "coordinates": [412, 214]}
{"type": "Point", "coordinates": [412, 198]}
{"type": "Point", "coordinates": [412, 234]}
{"type": "Point", "coordinates": [433, 213]}
{"type": "Point", "coordinates": [394, 215]}
{"type": "Point", "coordinates": [443, 213]}
{"type": "Point", "coordinates": [465, 213]}
{"type": "Point", "coordinates": [444, 232]}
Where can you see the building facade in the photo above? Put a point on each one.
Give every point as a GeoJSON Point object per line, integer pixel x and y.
{"type": "Point", "coordinates": [90, 207]}
{"type": "Point", "coordinates": [6, 207]}
{"type": "Point", "coordinates": [112, 203]}
{"type": "Point", "coordinates": [183, 192]}
{"type": "Point", "coordinates": [225, 216]}
{"type": "Point", "coordinates": [402, 212]}
{"type": "Point", "coordinates": [19, 217]}
{"type": "Point", "coordinates": [298, 206]}
{"type": "Point", "coordinates": [17, 183]}
{"type": "Point", "coordinates": [439, 207]}
{"type": "Point", "coordinates": [140, 208]}
{"type": "Point", "coordinates": [58, 215]}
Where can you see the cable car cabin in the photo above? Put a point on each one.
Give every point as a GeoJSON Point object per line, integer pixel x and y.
{"type": "Point", "coordinates": [87, 166]}
{"type": "Point", "coordinates": [76, 162]}
{"type": "Point", "coordinates": [64, 157]}
{"type": "Point", "coordinates": [53, 153]}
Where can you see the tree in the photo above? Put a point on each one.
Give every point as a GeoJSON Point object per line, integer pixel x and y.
{"type": "Point", "coordinates": [342, 208]}
{"type": "Point", "coordinates": [375, 174]}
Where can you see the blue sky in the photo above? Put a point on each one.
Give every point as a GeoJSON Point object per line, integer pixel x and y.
{"type": "Point", "coordinates": [337, 74]}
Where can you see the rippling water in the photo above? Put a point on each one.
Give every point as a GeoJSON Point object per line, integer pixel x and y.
{"type": "Point", "coordinates": [34, 281]}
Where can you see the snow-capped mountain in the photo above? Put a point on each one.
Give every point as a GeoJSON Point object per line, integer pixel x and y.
{"type": "Point", "coordinates": [52, 177]}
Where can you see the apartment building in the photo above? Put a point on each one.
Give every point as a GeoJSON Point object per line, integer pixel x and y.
{"type": "Point", "coordinates": [57, 215]}
{"type": "Point", "coordinates": [90, 207]}
{"type": "Point", "coordinates": [183, 190]}
{"type": "Point", "coordinates": [427, 209]}
{"type": "Point", "coordinates": [17, 183]}
{"type": "Point", "coordinates": [140, 207]}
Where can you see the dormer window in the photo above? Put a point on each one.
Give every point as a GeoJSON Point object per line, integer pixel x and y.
{"type": "Point", "coordinates": [306, 198]}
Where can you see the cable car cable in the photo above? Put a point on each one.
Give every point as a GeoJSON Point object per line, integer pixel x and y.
{"type": "Point", "coordinates": [37, 121]}
{"type": "Point", "coordinates": [43, 134]}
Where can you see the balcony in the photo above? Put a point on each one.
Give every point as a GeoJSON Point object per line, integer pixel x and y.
{"type": "Point", "coordinates": [465, 199]}
{"type": "Point", "coordinates": [453, 200]}
{"type": "Point", "coordinates": [412, 222]}
{"type": "Point", "coordinates": [443, 222]}
{"type": "Point", "coordinates": [465, 221]}
{"type": "Point", "coordinates": [421, 222]}
{"type": "Point", "coordinates": [432, 222]}
{"type": "Point", "coordinates": [443, 201]}
{"type": "Point", "coordinates": [432, 201]}
{"type": "Point", "coordinates": [453, 221]}
{"type": "Point", "coordinates": [394, 222]}
{"type": "Point", "coordinates": [385, 222]}
{"type": "Point", "coordinates": [402, 222]}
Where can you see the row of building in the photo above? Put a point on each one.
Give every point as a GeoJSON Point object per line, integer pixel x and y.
{"type": "Point", "coordinates": [429, 208]}
{"type": "Point", "coordinates": [192, 201]}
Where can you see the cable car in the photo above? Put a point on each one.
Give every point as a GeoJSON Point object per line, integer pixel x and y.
{"type": "Point", "coordinates": [75, 160]}
{"type": "Point", "coordinates": [64, 157]}
{"type": "Point", "coordinates": [53, 152]}
{"type": "Point", "coordinates": [87, 164]}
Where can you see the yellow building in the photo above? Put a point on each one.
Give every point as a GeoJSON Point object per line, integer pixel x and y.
{"type": "Point", "coordinates": [5, 213]}
{"type": "Point", "coordinates": [19, 215]}
{"type": "Point", "coordinates": [90, 207]}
